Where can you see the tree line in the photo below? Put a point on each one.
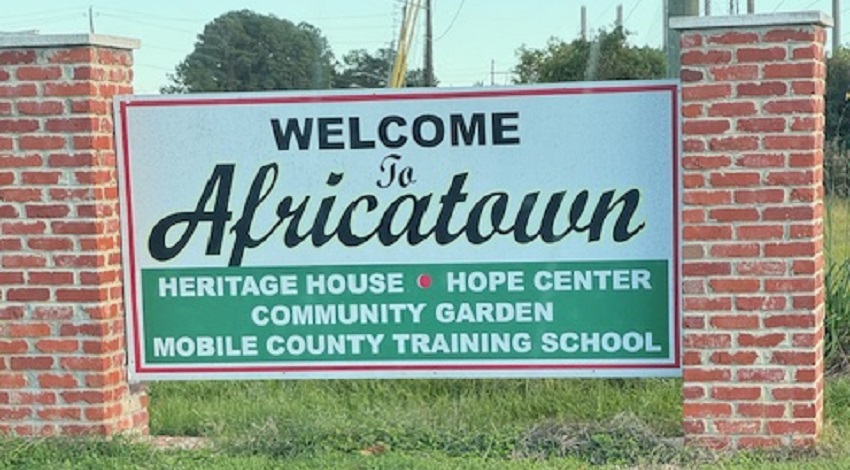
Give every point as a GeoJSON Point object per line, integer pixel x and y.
{"type": "Point", "coordinates": [247, 51]}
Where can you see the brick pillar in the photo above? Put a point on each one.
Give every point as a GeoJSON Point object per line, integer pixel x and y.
{"type": "Point", "coordinates": [753, 228]}
{"type": "Point", "coordinates": [62, 346]}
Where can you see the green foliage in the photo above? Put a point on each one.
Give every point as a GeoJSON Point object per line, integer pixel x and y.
{"type": "Point", "coordinates": [837, 83]}
{"type": "Point", "coordinates": [837, 284]}
{"type": "Point", "coordinates": [361, 69]}
{"type": "Point", "coordinates": [606, 57]}
{"type": "Point", "coordinates": [246, 51]}
{"type": "Point", "coordinates": [447, 424]}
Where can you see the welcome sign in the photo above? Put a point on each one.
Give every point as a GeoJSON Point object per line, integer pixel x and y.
{"type": "Point", "coordinates": [491, 232]}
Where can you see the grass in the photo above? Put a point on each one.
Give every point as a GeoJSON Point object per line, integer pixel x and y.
{"type": "Point", "coordinates": [454, 424]}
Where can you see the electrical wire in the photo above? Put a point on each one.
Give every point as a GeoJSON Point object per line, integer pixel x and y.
{"type": "Point", "coordinates": [778, 5]}
{"type": "Point", "coordinates": [452, 23]}
{"type": "Point", "coordinates": [637, 4]}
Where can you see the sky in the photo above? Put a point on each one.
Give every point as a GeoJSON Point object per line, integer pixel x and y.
{"type": "Point", "coordinates": [475, 40]}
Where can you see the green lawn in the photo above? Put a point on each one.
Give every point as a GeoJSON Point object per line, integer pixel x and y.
{"type": "Point", "coordinates": [451, 424]}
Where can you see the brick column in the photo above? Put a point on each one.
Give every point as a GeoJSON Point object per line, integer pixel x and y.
{"type": "Point", "coordinates": [62, 347]}
{"type": "Point", "coordinates": [753, 228]}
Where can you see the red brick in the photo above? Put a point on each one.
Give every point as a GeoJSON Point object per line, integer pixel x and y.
{"type": "Point", "coordinates": [18, 91]}
{"type": "Point", "coordinates": [791, 249]}
{"type": "Point", "coordinates": [808, 87]}
{"type": "Point", "coordinates": [50, 346]}
{"type": "Point", "coordinates": [734, 322]}
{"type": "Point", "coordinates": [792, 427]}
{"type": "Point", "coordinates": [792, 178]}
{"type": "Point", "coordinates": [806, 159]}
{"type": "Point", "coordinates": [72, 55]}
{"type": "Point", "coordinates": [719, 144]}
{"type": "Point", "coordinates": [38, 278]}
{"type": "Point", "coordinates": [707, 232]}
{"type": "Point", "coordinates": [32, 362]}
{"type": "Point", "coordinates": [734, 250]}
{"type": "Point", "coordinates": [789, 142]}
{"type": "Point", "coordinates": [734, 179]}
{"type": "Point", "coordinates": [706, 126]}
{"type": "Point", "coordinates": [76, 124]}
{"type": "Point", "coordinates": [708, 340]}
{"type": "Point", "coordinates": [28, 294]}
{"type": "Point", "coordinates": [40, 108]}
{"type": "Point", "coordinates": [794, 106]}
{"type": "Point", "coordinates": [707, 304]}
{"type": "Point", "coordinates": [81, 88]}
{"type": "Point", "coordinates": [733, 215]}
{"type": "Point", "coordinates": [22, 228]}
{"type": "Point", "coordinates": [51, 142]}
{"type": "Point", "coordinates": [46, 211]}
{"type": "Point", "coordinates": [19, 126]}
{"type": "Point", "coordinates": [761, 375]}
{"type": "Point", "coordinates": [707, 198]}
{"type": "Point", "coordinates": [761, 268]}
{"type": "Point", "coordinates": [24, 261]}
{"type": "Point", "coordinates": [762, 89]}
{"type": "Point", "coordinates": [782, 35]}
{"type": "Point", "coordinates": [735, 72]}
{"type": "Point", "coordinates": [738, 427]}
{"type": "Point", "coordinates": [760, 54]}
{"type": "Point", "coordinates": [769, 340]}
{"type": "Point", "coordinates": [15, 346]}
{"type": "Point", "coordinates": [761, 125]}
{"type": "Point", "coordinates": [707, 269]}
{"type": "Point", "coordinates": [17, 57]}
{"type": "Point", "coordinates": [41, 177]}
{"type": "Point", "coordinates": [39, 73]}
{"type": "Point", "coordinates": [57, 381]}
{"type": "Point", "coordinates": [707, 410]}
{"type": "Point", "coordinates": [29, 330]}
{"type": "Point", "coordinates": [790, 321]}
{"type": "Point", "coordinates": [791, 70]}
{"type": "Point", "coordinates": [689, 75]}
{"type": "Point", "coordinates": [756, 196]}
{"type": "Point", "coordinates": [706, 92]}
{"type": "Point", "coordinates": [759, 303]}
{"type": "Point", "coordinates": [51, 244]}
{"type": "Point", "coordinates": [732, 109]}
{"type": "Point", "coordinates": [796, 358]}
{"type": "Point", "coordinates": [736, 358]}
{"type": "Point", "coordinates": [706, 57]}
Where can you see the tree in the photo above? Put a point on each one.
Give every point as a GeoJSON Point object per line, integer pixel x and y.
{"type": "Point", "coordinates": [607, 57]}
{"type": "Point", "coordinates": [837, 83]}
{"type": "Point", "coordinates": [360, 69]}
{"type": "Point", "coordinates": [246, 51]}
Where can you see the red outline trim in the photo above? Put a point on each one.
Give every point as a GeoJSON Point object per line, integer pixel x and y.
{"type": "Point", "coordinates": [383, 96]}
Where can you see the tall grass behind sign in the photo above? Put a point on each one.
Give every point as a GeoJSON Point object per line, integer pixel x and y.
{"type": "Point", "coordinates": [490, 232]}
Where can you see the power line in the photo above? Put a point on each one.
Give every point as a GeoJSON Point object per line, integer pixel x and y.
{"type": "Point", "coordinates": [637, 4]}
{"type": "Point", "coordinates": [452, 23]}
{"type": "Point", "coordinates": [778, 5]}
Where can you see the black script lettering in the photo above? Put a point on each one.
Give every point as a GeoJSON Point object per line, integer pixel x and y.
{"type": "Point", "coordinates": [388, 222]}
{"type": "Point", "coordinates": [222, 178]}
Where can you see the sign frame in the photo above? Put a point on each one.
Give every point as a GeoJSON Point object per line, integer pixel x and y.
{"type": "Point", "coordinates": [139, 371]}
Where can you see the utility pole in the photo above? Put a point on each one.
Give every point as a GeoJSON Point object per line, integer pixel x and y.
{"type": "Point", "coordinates": [676, 8]}
{"type": "Point", "coordinates": [492, 72]}
{"type": "Point", "coordinates": [751, 7]}
{"type": "Point", "coordinates": [619, 21]}
{"type": "Point", "coordinates": [583, 22]}
{"type": "Point", "coordinates": [429, 44]}
{"type": "Point", "coordinates": [836, 25]}
{"type": "Point", "coordinates": [91, 19]}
